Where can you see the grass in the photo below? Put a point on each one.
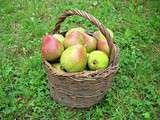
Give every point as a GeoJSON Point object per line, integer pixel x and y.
{"type": "Point", "coordinates": [135, 94]}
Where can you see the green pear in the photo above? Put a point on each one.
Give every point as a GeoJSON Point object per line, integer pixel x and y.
{"type": "Point", "coordinates": [59, 37]}
{"type": "Point", "coordinates": [110, 32]}
{"type": "Point", "coordinates": [89, 42]}
{"type": "Point", "coordinates": [75, 37]}
{"type": "Point", "coordinates": [75, 29]}
{"type": "Point", "coordinates": [97, 60]}
{"type": "Point", "coordinates": [102, 43]}
{"type": "Point", "coordinates": [87, 55]}
{"type": "Point", "coordinates": [74, 58]}
{"type": "Point", "coordinates": [58, 67]}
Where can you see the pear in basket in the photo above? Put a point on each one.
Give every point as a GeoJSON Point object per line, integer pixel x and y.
{"type": "Point", "coordinates": [51, 48]}
{"type": "Point", "coordinates": [89, 42]}
{"type": "Point", "coordinates": [74, 58]}
{"type": "Point", "coordinates": [74, 38]}
{"type": "Point", "coordinates": [97, 60]}
{"type": "Point", "coordinates": [59, 37]}
{"type": "Point", "coordinates": [75, 29]}
{"type": "Point", "coordinates": [58, 67]}
{"type": "Point", "coordinates": [102, 43]}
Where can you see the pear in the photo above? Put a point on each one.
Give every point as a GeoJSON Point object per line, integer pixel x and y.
{"type": "Point", "coordinates": [89, 42]}
{"type": "Point", "coordinates": [110, 32]}
{"type": "Point", "coordinates": [51, 48]}
{"type": "Point", "coordinates": [87, 55]}
{"type": "Point", "coordinates": [102, 43]}
{"type": "Point", "coordinates": [75, 37]}
{"type": "Point", "coordinates": [75, 29]}
{"type": "Point", "coordinates": [59, 37]}
{"type": "Point", "coordinates": [74, 58]}
{"type": "Point", "coordinates": [97, 60]}
{"type": "Point", "coordinates": [58, 67]}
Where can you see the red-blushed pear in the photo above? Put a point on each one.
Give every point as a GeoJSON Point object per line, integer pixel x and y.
{"type": "Point", "coordinates": [59, 37]}
{"type": "Point", "coordinates": [75, 29]}
{"type": "Point", "coordinates": [102, 43]}
{"type": "Point", "coordinates": [89, 42]}
{"type": "Point", "coordinates": [74, 58]}
{"type": "Point", "coordinates": [74, 38]}
{"type": "Point", "coordinates": [51, 48]}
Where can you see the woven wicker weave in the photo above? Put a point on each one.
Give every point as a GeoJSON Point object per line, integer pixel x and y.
{"type": "Point", "coordinates": [82, 89]}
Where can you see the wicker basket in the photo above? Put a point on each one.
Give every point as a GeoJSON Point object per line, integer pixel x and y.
{"type": "Point", "coordinates": [82, 89]}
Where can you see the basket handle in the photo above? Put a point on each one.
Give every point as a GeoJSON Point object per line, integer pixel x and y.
{"type": "Point", "coordinates": [91, 18]}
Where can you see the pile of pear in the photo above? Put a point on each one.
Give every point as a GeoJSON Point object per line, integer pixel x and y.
{"type": "Point", "coordinates": [77, 51]}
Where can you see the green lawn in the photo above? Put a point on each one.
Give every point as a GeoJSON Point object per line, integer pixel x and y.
{"type": "Point", "coordinates": [24, 94]}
